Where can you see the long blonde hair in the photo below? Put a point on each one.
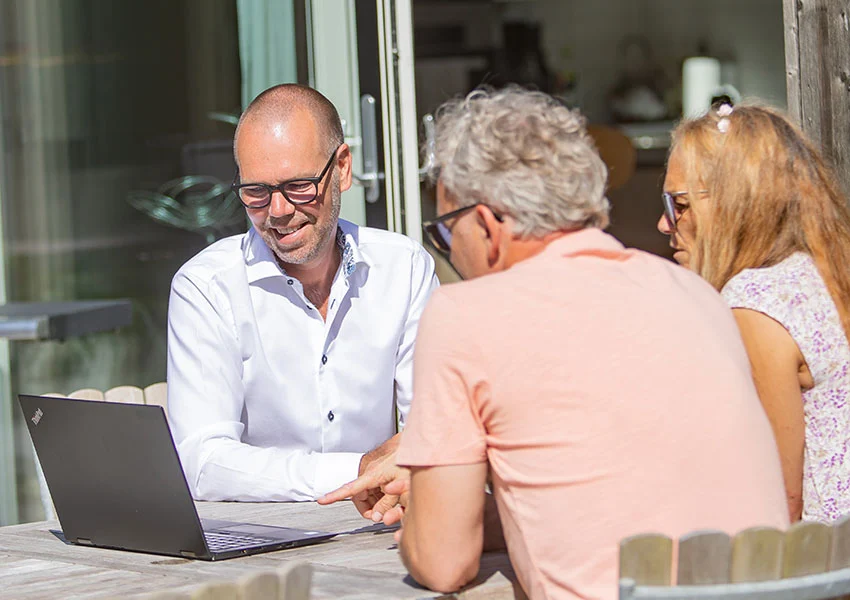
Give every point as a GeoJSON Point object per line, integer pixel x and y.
{"type": "Point", "coordinates": [769, 194]}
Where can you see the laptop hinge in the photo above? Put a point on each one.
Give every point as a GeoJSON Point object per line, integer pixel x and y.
{"type": "Point", "coordinates": [84, 542]}
{"type": "Point", "coordinates": [188, 554]}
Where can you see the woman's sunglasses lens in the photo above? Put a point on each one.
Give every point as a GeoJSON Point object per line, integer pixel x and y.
{"type": "Point", "coordinates": [669, 210]}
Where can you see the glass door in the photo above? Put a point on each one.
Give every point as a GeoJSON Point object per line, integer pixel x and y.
{"type": "Point", "coordinates": [115, 160]}
{"type": "Point", "coordinates": [360, 55]}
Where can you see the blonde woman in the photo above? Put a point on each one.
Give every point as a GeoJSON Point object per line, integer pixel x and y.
{"type": "Point", "coordinates": [751, 206]}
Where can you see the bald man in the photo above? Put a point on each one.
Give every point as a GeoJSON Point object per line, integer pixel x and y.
{"type": "Point", "coordinates": [290, 347]}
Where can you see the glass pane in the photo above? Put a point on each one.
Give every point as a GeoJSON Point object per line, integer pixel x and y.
{"type": "Point", "coordinates": [116, 125]}
{"type": "Point", "coordinates": [619, 61]}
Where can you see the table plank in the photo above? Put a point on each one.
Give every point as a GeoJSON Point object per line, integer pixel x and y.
{"type": "Point", "coordinates": [36, 578]}
{"type": "Point", "coordinates": [353, 566]}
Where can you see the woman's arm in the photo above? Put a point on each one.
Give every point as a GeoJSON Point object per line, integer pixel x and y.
{"type": "Point", "coordinates": [776, 363]}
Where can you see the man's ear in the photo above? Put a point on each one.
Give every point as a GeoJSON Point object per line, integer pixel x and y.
{"type": "Point", "coordinates": [493, 231]}
{"type": "Point", "coordinates": [343, 162]}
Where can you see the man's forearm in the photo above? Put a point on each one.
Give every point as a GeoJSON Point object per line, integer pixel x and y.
{"type": "Point", "coordinates": [432, 569]}
{"type": "Point", "coordinates": [442, 532]}
{"type": "Point", "coordinates": [226, 469]}
{"type": "Point", "coordinates": [388, 447]}
{"type": "Point", "coordinates": [493, 540]}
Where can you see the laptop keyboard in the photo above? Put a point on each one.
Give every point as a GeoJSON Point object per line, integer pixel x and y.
{"type": "Point", "coordinates": [218, 541]}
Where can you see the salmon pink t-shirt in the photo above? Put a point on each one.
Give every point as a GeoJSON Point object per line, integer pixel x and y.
{"type": "Point", "coordinates": [611, 394]}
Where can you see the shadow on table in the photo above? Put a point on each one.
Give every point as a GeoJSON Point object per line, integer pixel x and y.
{"type": "Point", "coordinates": [492, 564]}
{"type": "Point", "coordinates": [376, 528]}
{"type": "Point", "coordinates": [58, 533]}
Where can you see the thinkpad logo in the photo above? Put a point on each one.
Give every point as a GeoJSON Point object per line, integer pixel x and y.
{"type": "Point", "coordinates": [37, 416]}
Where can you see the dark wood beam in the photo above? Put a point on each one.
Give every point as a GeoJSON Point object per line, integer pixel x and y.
{"type": "Point", "coordinates": [817, 57]}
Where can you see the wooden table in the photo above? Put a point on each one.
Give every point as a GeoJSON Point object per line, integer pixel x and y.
{"type": "Point", "coordinates": [34, 563]}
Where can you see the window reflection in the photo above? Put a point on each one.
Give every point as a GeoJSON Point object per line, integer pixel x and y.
{"type": "Point", "coordinates": [102, 102]}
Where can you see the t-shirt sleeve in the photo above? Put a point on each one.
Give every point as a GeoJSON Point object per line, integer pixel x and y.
{"type": "Point", "coordinates": [444, 425]}
{"type": "Point", "coordinates": [779, 293]}
{"type": "Point", "coordinates": [761, 292]}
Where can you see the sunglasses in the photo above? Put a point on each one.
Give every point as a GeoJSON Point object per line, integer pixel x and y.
{"type": "Point", "coordinates": [671, 212]}
{"type": "Point", "coordinates": [439, 234]}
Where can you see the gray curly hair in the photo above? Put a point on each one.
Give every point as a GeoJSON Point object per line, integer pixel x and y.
{"type": "Point", "coordinates": [522, 153]}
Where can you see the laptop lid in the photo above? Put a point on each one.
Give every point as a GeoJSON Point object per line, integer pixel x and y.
{"type": "Point", "coordinates": [114, 475]}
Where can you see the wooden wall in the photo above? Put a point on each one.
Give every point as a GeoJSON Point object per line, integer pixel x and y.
{"type": "Point", "coordinates": [817, 57]}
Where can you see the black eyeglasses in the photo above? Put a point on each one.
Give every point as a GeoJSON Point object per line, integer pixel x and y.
{"type": "Point", "coordinates": [302, 190]}
{"type": "Point", "coordinates": [672, 212]}
{"type": "Point", "coordinates": [440, 235]}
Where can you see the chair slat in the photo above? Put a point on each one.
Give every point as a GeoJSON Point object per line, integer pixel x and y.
{"type": "Point", "coordinates": [86, 394]}
{"type": "Point", "coordinates": [806, 551]}
{"type": "Point", "coordinates": [220, 590]}
{"type": "Point", "coordinates": [647, 559]}
{"type": "Point", "coordinates": [128, 394]}
{"type": "Point", "coordinates": [157, 394]}
{"type": "Point", "coordinates": [756, 555]}
{"type": "Point", "coordinates": [166, 595]}
{"type": "Point", "coordinates": [295, 581]}
{"type": "Point", "coordinates": [704, 558]}
{"type": "Point", "coordinates": [839, 556]}
{"type": "Point", "coordinates": [261, 585]}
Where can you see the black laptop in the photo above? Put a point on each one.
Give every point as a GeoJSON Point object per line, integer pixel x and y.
{"type": "Point", "coordinates": [116, 482]}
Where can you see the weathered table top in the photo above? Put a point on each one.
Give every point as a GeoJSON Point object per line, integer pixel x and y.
{"type": "Point", "coordinates": [34, 563]}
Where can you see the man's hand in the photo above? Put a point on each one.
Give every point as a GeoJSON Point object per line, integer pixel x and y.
{"type": "Point", "coordinates": [388, 447]}
{"type": "Point", "coordinates": [377, 470]}
{"type": "Point", "coordinates": [400, 488]}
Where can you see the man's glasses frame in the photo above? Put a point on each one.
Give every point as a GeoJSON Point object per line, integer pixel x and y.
{"type": "Point", "coordinates": [439, 235]}
{"type": "Point", "coordinates": [298, 191]}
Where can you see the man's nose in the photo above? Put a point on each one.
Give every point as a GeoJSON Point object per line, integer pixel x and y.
{"type": "Point", "coordinates": [663, 225]}
{"type": "Point", "coordinates": [279, 205]}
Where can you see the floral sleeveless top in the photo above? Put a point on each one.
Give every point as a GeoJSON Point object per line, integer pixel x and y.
{"type": "Point", "coordinates": [794, 294]}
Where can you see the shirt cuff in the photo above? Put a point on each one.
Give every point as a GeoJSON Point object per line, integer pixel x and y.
{"type": "Point", "coordinates": [336, 469]}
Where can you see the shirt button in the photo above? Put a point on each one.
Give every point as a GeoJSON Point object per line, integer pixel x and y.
{"type": "Point", "coordinates": [324, 359]}
{"type": "Point", "coordinates": [331, 416]}
{"type": "Point", "coordinates": [289, 281]}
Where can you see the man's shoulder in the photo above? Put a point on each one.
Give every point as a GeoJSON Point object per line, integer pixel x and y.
{"type": "Point", "coordinates": [471, 299]}
{"type": "Point", "coordinates": [217, 258]}
{"type": "Point", "coordinates": [566, 278]}
{"type": "Point", "coordinates": [380, 244]}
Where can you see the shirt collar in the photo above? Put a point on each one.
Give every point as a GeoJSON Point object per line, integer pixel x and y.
{"type": "Point", "coordinates": [584, 241]}
{"type": "Point", "coordinates": [260, 262]}
{"type": "Point", "coordinates": [353, 255]}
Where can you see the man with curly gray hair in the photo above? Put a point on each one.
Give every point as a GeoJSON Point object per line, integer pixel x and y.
{"type": "Point", "coordinates": [515, 148]}
{"type": "Point", "coordinates": [582, 378]}
{"type": "Point", "coordinates": [527, 156]}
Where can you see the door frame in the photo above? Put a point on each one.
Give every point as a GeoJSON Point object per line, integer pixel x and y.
{"type": "Point", "coordinates": [333, 66]}
{"type": "Point", "coordinates": [401, 135]}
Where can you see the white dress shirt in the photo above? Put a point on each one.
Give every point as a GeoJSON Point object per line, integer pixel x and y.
{"type": "Point", "coordinates": [267, 401]}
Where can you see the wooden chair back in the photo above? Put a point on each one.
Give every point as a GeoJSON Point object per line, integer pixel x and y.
{"type": "Point", "coordinates": [289, 582]}
{"type": "Point", "coordinates": [617, 152]}
{"type": "Point", "coordinates": [155, 394]}
{"type": "Point", "coordinates": [810, 560]}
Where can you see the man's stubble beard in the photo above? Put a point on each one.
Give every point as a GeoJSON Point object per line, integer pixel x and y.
{"type": "Point", "coordinates": [326, 235]}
